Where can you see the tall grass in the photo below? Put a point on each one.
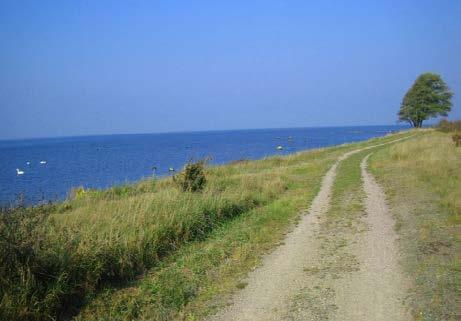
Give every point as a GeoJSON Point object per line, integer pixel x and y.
{"type": "Point", "coordinates": [105, 238]}
{"type": "Point", "coordinates": [422, 178]}
{"type": "Point", "coordinates": [56, 257]}
{"type": "Point", "coordinates": [182, 286]}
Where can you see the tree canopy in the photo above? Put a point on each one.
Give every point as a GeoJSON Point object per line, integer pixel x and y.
{"type": "Point", "coordinates": [428, 97]}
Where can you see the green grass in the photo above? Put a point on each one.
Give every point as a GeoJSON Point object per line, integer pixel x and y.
{"type": "Point", "coordinates": [150, 251]}
{"type": "Point", "coordinates": [422, 179]}
{"type": "Point", "coordinates": [200, 276]}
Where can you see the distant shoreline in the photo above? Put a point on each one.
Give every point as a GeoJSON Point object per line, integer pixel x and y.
{"type": "Point", "coordinates": [195, 132]}
{"type": "Point", "coordinates": [99, 162]}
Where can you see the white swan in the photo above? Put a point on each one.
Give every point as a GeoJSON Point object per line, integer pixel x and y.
{"type": "Point", "coordinates": [42, 162]}
{"type": "Point", "coordinates": [279, 147]}
{"type": "Point", "coordinates": [171, 169]}
{"type": "Point", "coordinates": [19, 172]}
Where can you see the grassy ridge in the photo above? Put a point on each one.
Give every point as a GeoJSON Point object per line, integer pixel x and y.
{"type": "Point", "coordinates": [54, 257]}
{"type": "Point", "coordinates": [107, 237]}
{"type": "Point", "coordinates": [204, 274]}
{"type": "Point", "coordinates": [422, 178]}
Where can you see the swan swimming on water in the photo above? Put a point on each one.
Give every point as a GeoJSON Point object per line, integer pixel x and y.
{"type": "Point", "coordinates": [19, 172]}
{"type": "Point", "coordinates": [42, 162]}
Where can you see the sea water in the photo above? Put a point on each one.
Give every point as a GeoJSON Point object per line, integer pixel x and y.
{"type": "Point", "coordinates": [104, 161]}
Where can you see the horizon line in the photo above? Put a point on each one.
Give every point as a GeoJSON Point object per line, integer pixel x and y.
{"type": "Point", "coordinates": [194, 131]}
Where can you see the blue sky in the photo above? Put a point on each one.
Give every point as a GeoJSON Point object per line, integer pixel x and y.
{"type": "Point", "coordinates": [106, 67]}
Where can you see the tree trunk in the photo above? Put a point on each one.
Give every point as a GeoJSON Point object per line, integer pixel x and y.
{"type": "Point", "coordinates": [417, 123]}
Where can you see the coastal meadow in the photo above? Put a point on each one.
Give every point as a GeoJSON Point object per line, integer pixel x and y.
{"type": "Point", "coordinates": [56, 258]}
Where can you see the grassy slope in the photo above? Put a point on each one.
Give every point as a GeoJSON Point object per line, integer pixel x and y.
{"type": "Point", "coordinates": [422, 179]}
{"type": "Point", "coordinates": [203, 270]}
{"type": "Point", "coordinates": [189, 247]}
{"type": "Point", "coordinates": [200, 276]}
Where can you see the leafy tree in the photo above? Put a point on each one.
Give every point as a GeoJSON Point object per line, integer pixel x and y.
{"type": "Point", "coordinates": [428, 97]}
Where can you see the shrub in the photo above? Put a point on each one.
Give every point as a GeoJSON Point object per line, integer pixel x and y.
{"type": "Point", "coordinates": [457, 139]}
{"type": "Point", "coordinates": [192, 178]}
{"type": "Point", "coordinates": [449, 126]}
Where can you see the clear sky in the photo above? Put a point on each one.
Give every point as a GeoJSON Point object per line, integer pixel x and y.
{"type": "Point", "coordinates": [105, 67]}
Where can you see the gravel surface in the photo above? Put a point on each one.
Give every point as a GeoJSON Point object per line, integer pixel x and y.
{"type": "Point", "coordinates": [373, 291]}
{"type": "Point", "coordinates": [377, 290]}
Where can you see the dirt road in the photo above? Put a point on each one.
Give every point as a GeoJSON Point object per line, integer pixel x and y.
{"type": "Point", "coordinates": [283, 289]}
{"type": "Point", "coordinates": [376, 291]}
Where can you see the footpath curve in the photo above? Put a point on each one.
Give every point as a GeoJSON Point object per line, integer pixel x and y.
{"type": "Point", "coordinates": [271, 286]}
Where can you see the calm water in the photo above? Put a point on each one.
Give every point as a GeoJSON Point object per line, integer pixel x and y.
{"type": "Point", "coordinates": [102, 161]}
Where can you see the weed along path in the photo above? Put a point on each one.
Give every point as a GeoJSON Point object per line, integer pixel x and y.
{"type": "Point", "coordinates": [332, 266]}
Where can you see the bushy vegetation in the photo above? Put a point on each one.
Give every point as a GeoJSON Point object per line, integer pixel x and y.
{"type": "Point", "coordinates": [449, 126]}
{"type": "Point", "coordinates": [192, 178]}
{"type": "Point", "coordinates": [457, 139]}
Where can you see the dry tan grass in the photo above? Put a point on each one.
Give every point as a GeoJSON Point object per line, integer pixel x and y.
{"type": "Point", "coordinates": [422, 178]}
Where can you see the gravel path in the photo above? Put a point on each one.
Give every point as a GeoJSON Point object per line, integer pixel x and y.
{"type": "Point", "coordinates": [376, 291]}
{"type": "Point", "coordinates": [271, 288]}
